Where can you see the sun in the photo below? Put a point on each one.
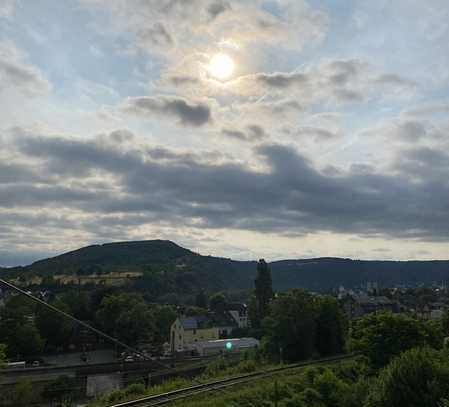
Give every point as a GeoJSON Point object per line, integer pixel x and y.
{"type": "Point", "coordinates": [221, 66]}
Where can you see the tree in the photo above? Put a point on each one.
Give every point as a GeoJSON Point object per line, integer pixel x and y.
{"type": "Point", "coordinates": [18, 331]}
{"type": "Point", "coordinates": [291, 325]}
{"type": "Point", "coordinates": [54, 328]}
{"type": "Point", "coordinates": [201, 299]}
{"type": "Point", "coordinates": [126, 317]}
{"type": "Point", "coordinates": [330, 327]}
{"type": "Point", "coordinates": [26, 341]}
{"type": "Point", "coordinates": [263, 292]}
{"type": "Point", "coordinates": [22, 394]}
{"type": "Point", "coordinates": [417, 378]}
{"type": "Point", "coordinates": [164, 316]}
{"type": "Point", "coordinates": [60, 389]}
{"type": "Point", "coordinates": [2, 355]}
{"type": "Point", "coordinates": [218, 302]}
{"type": "Point", "coordinates": [382, 336]}
{"type": "Point", "coordinates": [445, 323]}
{"type": "Point", "coordinates": [77, 303]}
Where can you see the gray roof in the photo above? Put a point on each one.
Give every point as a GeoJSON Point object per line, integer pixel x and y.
{"type": "Point", "coordinates": [189, 323]}
{"type": "Point", "coordinates": [382, 300]}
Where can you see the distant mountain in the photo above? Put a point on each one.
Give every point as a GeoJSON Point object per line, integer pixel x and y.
{"type": "Point", "coordinates": [215, 273]}
{"type": "Point", "coordinates": [326, 273]}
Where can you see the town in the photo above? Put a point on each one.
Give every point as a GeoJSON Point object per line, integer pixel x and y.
{"type": "Point", "coordinates": [46, 351]}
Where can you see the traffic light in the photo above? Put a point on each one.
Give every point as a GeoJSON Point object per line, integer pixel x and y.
{"type": "Point", "coordinates": [228, 345]}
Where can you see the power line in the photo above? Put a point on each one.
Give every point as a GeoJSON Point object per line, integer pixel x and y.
{"type": "Point", "coordinates": [78, 321]}
{"type": "Point", "coordinates": [93, 329]}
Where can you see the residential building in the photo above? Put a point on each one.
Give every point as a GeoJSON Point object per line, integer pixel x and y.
{"type": "Point", "coordinates": [357, 306]}
{"type": "Point", "coordinates": [188, 330]}
{"type": "Point", "coordinates": [239, 312]}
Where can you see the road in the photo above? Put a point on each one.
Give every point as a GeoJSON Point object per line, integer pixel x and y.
{"type": "Point", "coordinates": [44, 373]}
{"type": "Point", "coordinates": [74, 358]}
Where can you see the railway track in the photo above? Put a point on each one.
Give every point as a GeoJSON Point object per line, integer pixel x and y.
{"type": "Point", "coordinates": [171, 396]}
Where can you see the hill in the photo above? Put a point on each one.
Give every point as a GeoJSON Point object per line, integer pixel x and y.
{"type": "Point", "coordinates": [214, 273]}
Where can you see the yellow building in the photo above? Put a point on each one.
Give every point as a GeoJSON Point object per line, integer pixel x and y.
{"type": "Point", "coordinates": [188, 330]}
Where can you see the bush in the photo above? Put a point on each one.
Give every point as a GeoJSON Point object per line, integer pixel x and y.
{"type": "Point", "coordinates": [417, 378]}
{"type": "Point", "coordinates": [380, 337]}
{"type": "Point", "coordinates": [114, 396]}
{"type": "Point", "coordinates": [246, 366]}
{"type": "Point", "coordinates": [135, 389]}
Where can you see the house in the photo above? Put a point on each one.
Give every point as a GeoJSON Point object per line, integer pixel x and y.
{"type": "Point", "coordinates": [239, 312]}
{"type": "Point", "coordinates": [434, 311]}
{"type": "Point", "coordinates": [357, 306]}
{"type": "Point", "coordinates": [188, 330]}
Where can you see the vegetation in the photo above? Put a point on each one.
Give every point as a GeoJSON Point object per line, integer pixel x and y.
{"type": "Point", "coordinates": [18, 329]}
{"type": "Point", "coordinates": [418, 377]}
{"type": "Point", "coordinates": [29, 329]}
{"type": "Point", "coordinates": [214, 274]}
{"type": "Point", "coordinates": [263, 294]}
{"type": "Point", "coordinates": [2, 355]}
{"type": "Point", "coordinates": [382, 336]}
{"type": "Point", "coordinates": [300, 326]}
{"type": "Point", "coordinates": [21, 394]}
{"type": "Point", "coordinates": [401, 363]}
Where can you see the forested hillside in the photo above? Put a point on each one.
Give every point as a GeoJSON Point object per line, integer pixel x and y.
{"type": "Point", "coordinates": [215, 273]}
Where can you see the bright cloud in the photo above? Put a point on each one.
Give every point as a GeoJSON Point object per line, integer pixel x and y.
{"type": "Point", "coordinates": [320, 124]}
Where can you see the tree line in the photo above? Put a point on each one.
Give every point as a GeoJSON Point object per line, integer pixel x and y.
{"type": "Point", "coordinates": [295, 325]}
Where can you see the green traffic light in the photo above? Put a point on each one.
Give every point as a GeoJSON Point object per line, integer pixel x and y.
{"type": "Point", "coordinates": [228, 345]}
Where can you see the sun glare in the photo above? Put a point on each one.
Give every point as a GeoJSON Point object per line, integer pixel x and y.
{"type": "Point", "coordinates": [221, 66]}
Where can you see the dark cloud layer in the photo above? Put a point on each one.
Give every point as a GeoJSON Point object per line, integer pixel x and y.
{"type": "Point", "coordinates": [187, 112]}
{"type": "Point", "coordinates": [291, 197]}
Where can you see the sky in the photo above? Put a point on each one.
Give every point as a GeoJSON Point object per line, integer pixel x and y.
{"type": "Point", "coordinates": [243, 129]}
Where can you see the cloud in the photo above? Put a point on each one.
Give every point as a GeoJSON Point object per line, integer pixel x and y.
{"type": "Point", "coordinates": [411, 130]}
{"type": "Point", "coordinates": [316, 132]}
{"type": "Point", "coordinates": [337, 81]}
{"type": "Point", "coordinates": [156, 36]}
{"type": "Point", "coordinates": [425, 164]}
{"type": "Point", "coordinates": [281, 79]}
{"type": "Point", "coordinates": [289, 196]}
{"type": "Point", "coordinates": [214, 20]}
{"type": "Point", "coordinates": [428, 109]}
{"type": "Point", "coordinates": [7, 8]}
{"type": "Point", "coordinates": [394, 79]}
{"type": "Point", "coordinates": [188, 113]}
{"type": "Point", "coordinates": [218, 7]}
{"type": "Point", "coordinates": [180, 80]}
{"type": "Point", "coordinates": [252, 133]}
{"type": "Point", "coordinates": [17, 74]}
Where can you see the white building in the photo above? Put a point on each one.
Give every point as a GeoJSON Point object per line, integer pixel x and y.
{"type": "Point", "coordinates": [239, 312]}
{"type": "Point", "coordinates": [213, 347]}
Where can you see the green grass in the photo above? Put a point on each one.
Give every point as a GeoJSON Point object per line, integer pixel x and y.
{"type": "Point", "coordinates": [218, 369]}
